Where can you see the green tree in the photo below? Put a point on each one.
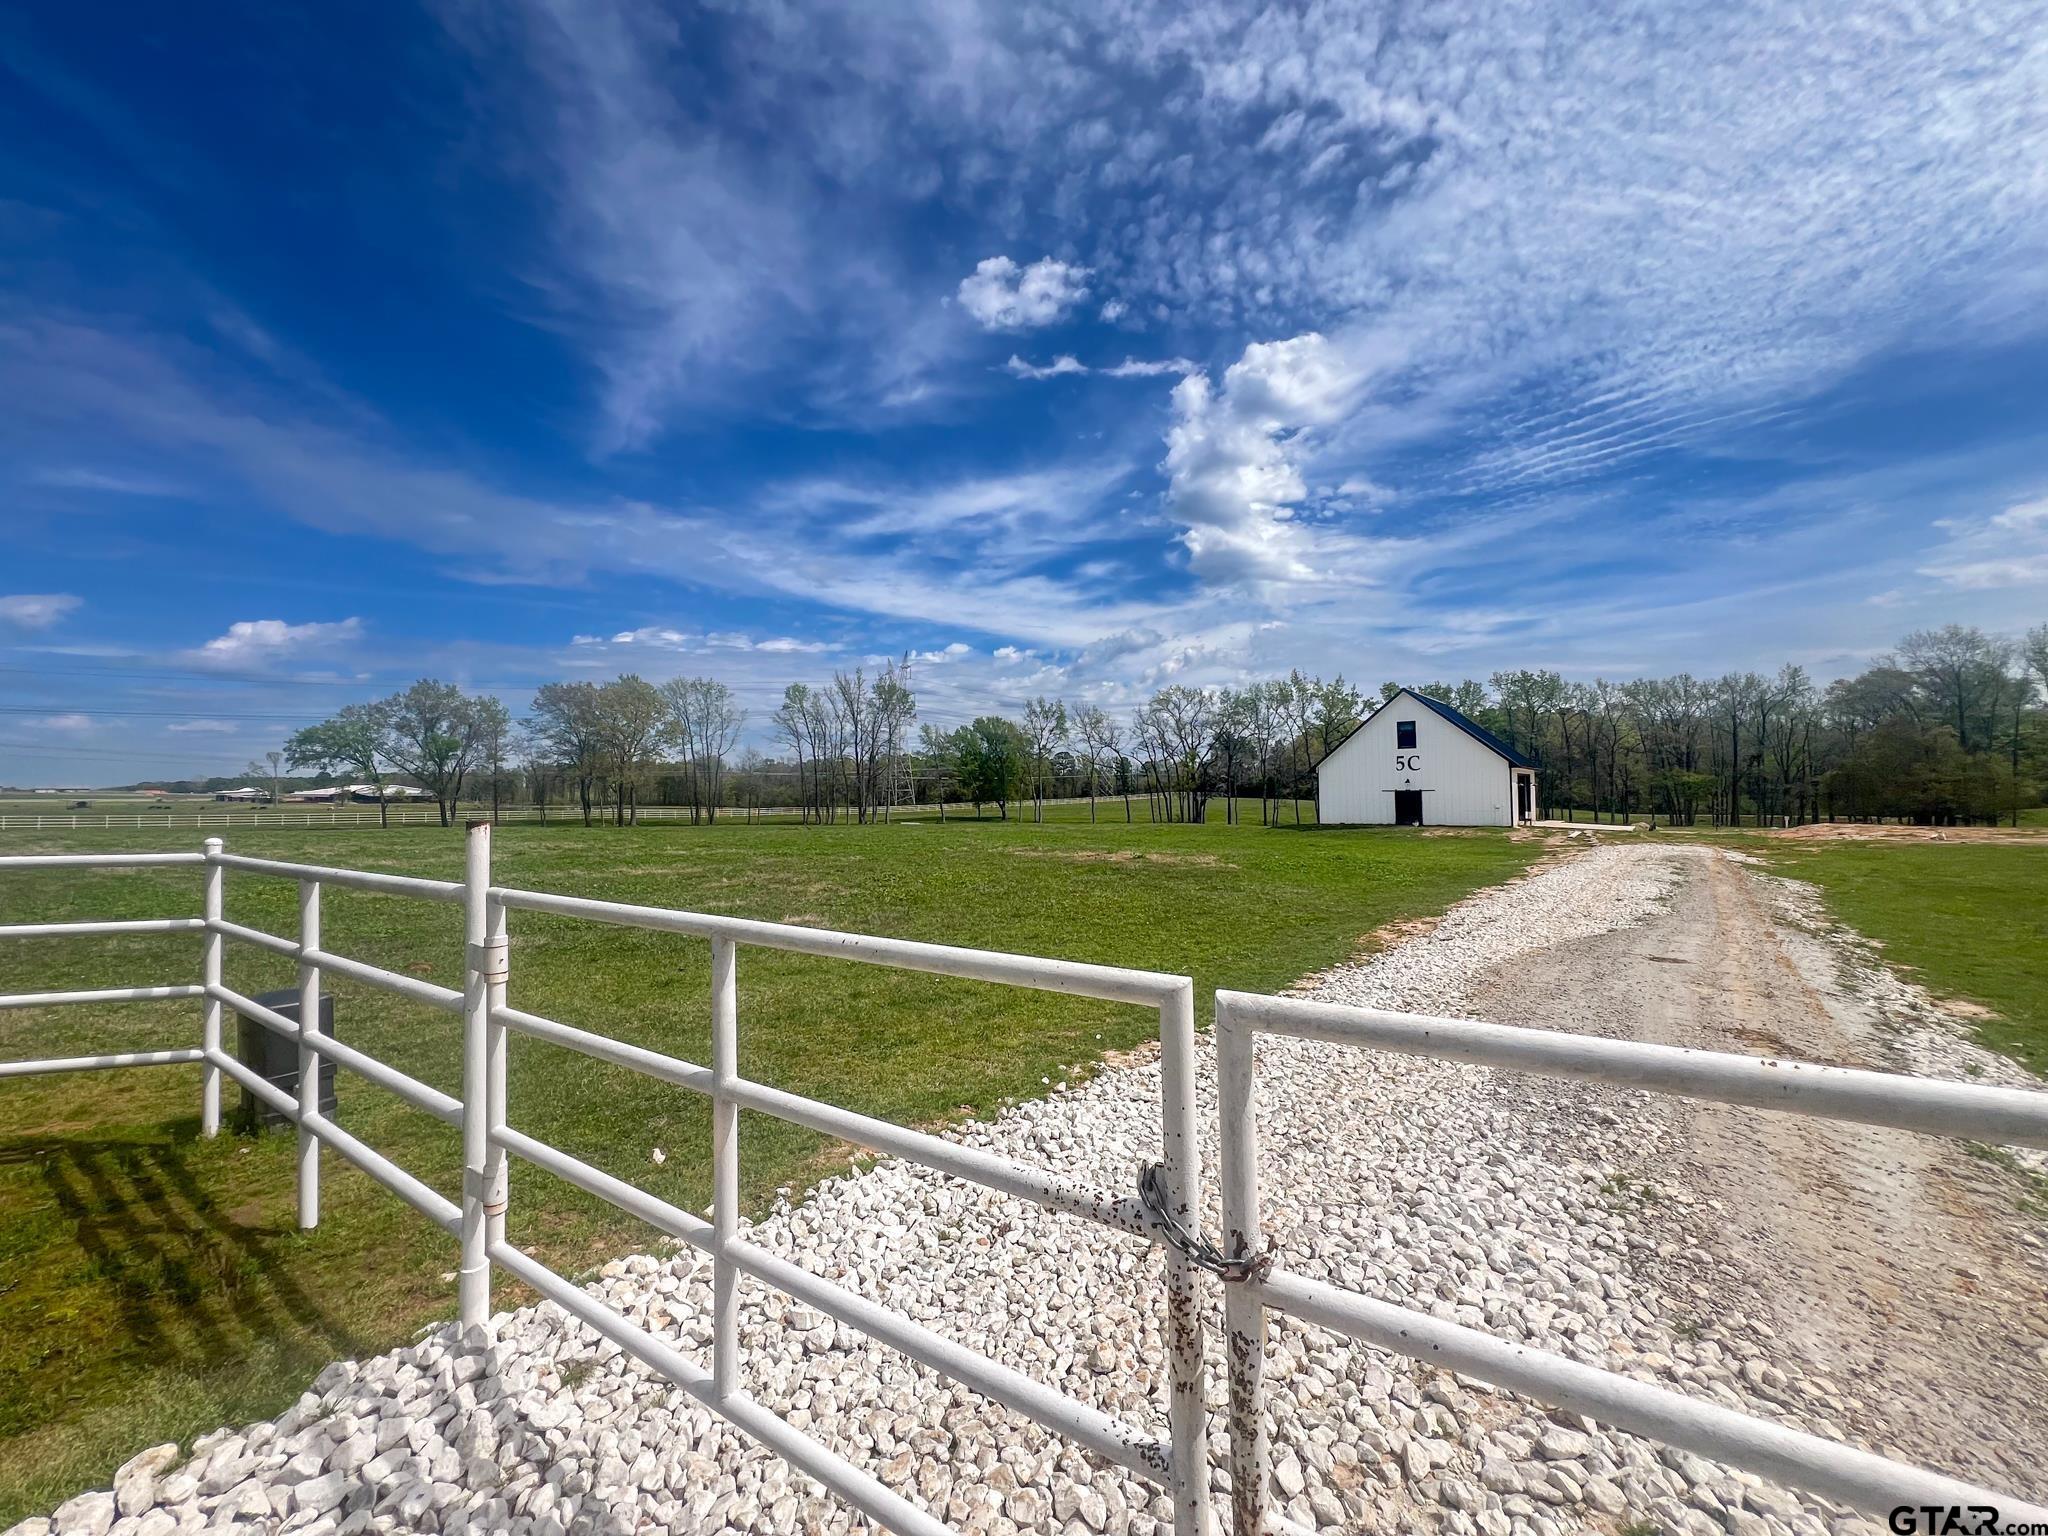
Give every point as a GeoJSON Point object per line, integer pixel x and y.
{"type": "Point", "coordinates": [992, 755]}
{"type": "Point", "coordinates": [434, 733]}
{"type": "Point", "coordinates": [352, 742]}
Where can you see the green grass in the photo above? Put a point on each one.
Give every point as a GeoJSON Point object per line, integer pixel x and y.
{"type": "Point", "coordinates": [1968, 920]}
{"type": "Point", "coordinates": [153, 1284]}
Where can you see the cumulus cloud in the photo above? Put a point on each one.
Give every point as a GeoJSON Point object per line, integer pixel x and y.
{"type": "Point", "coordinates": [203, 728]}
{"type": "Point", "coordinates": [259, 640]}
{"type": "Point", "coordinates": [36, 610]}
{"type": "Point", "coordinates": [1003, 296]}
{"type": "Point", "coordinates": [1234, 457]}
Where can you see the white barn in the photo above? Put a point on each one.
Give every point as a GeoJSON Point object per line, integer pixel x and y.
{"type": "Point", "coordinates": [1418, 762]}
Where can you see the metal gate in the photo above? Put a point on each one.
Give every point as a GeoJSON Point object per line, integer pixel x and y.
{"type": "Point", "coordinates": [1178, 1463]}
{"type": "Point", "coordinates": [1166, 1214]}
{"type": "Point", "coordinates": [1254, 1284]}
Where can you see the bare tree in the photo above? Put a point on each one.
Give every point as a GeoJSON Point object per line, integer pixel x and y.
{"type": "Point", "coordinates": [703, 719]}
{"type": "Point", "coordinates": [1094, 728]}
{"type": "Point", "coordinates": [494, 738]}
{"type": "Point", "coordinates": [629, 722]}
{"type": "Point", "coordinates": [1045, 727]}
{"type": "Point", "coordinates": [793, 723]}
{"type": "Point", "coordinates": [566, 719]}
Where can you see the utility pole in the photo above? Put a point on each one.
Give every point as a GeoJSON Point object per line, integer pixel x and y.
{"type": "Point", "coordinates": [276, 784]}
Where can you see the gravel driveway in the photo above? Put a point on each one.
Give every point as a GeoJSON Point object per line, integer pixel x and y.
{"type": "Point", "coordinates": [1845, 1281]}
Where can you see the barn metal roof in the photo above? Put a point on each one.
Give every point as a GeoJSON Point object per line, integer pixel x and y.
{"type": "Point", "coordinates": [1463, 722]}
{"type": "Point", "coordinates": [1475, 730]}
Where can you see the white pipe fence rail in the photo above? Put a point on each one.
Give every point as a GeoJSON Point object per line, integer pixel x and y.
{"type": "Point", "coordinates": [1178, 1462]}
{"type": "Point", "coordinates": [1871, 1484]}
{"type": "Point", "coordinates": [411, 815]}
{"type": "Point", "coordinates": [1251, 1285]}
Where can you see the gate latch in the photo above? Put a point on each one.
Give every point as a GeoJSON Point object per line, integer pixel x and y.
{"type": "Point", "coordinates": [1199, 1250]}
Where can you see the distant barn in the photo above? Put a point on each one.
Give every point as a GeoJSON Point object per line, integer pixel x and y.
{"type": "Point", "coordinates": [1418, 762]}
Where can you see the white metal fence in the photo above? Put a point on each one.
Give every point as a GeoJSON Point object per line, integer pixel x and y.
{"type": "Point", "coordinates": [232, 816]}
{"type": "Point", "coordinates": [1177, 1463]}
{"type": "Point", "coordinates": [1871, 1484]}
{"type": "Point", "coordinates": [1167, 1215]}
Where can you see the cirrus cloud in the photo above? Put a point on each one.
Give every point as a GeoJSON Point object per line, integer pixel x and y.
{"type": "Point", "coordinates": [36, 610]}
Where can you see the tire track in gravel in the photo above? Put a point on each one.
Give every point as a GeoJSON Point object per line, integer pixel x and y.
{"type": "Point", "coordinates": [1894, 1277]}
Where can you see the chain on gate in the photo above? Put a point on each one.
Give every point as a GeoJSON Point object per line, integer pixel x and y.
{"type": "Point", "coordinates": [1196, 1248]}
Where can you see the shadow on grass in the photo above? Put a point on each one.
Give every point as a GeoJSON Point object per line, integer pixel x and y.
{"type": "Point", "coordinates": [186, 1286]}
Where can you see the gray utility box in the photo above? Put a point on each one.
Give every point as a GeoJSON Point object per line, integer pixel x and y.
{"type": "Point", "coordinates": [277, 1059]}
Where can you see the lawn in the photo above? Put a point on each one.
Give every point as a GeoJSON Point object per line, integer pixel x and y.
{"type": "Point", "coordinates": [153, 1284]}
{"type": "Point", "coordinates": [1968, 920]}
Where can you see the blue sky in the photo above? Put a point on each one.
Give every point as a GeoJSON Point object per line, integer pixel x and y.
{"type": "Point", "coordinates": [1076, 349]}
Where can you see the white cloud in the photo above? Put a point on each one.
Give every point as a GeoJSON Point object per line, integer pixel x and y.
{"type": "Point", "coordinates": [1129, 368]}
{"type": "Point", "coordinates": [2007, 549]}
{"type": "Point", "coordinates": [36, 610]}
{"type": "Point", "coordinates": [203, 727]}
{"type": "Point", "coordinates": [1113, 311]}
{"type": "Point", "coordinates": [258, 640]}
{"type": "Point", "coordinates": [1065, 363]}
{"type": "Point", "coordinates": [112, 484]}
{"type": "Point", "coordinates": [1234, 457]}
{"type": "Point", "coordinates": [67, 723]}
{"type": "Point", "coordinates": [1003, 296]}
{"type": "Point", "coordinates": [939, 658]}
{"type": "Point", "coordinates": [1140, 368]}
{"type": "Point", "coordinates": [662, 638]}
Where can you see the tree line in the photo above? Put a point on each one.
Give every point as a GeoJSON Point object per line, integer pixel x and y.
{"type": "Point", "coordinates": [1949, 727]}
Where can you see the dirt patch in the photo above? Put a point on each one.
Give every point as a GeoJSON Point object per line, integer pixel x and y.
{"type": "Point", "coordinates": [1121, 856]}
{"type": "Point", "coordinates": [1853, 832]}
{"type": "Point", "coordinates": [1144, 1053]}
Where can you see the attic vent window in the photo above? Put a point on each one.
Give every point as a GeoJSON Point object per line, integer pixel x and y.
{"type": "Point", "coordinates": [1404, 734]}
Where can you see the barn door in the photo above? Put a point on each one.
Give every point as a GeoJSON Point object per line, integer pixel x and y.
{"type": "Point", "coordinates": [1407, 807]}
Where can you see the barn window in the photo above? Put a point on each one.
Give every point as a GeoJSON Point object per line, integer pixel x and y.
{"type": "Point", "coordinates": [1404, 733]}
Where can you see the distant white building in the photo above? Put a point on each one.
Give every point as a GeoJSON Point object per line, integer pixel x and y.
{"type": "Point", "coordinates": [1418, 762]}
{"type": "Point", "coordinates": [247, 794]}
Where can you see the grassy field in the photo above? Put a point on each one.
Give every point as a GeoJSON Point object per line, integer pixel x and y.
{"type": "Point", "coordinates": [153, 1284]}
{"type": "Point", "coordinates": [1968, 920]}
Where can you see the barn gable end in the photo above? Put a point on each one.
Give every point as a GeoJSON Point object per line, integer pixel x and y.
{"type": "Point", "coordinates": [1418, 760]}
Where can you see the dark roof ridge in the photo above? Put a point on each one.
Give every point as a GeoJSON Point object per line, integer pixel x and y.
{"type": "Point", "coordinates": [1473, 729]}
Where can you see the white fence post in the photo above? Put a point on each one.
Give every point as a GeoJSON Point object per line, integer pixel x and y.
{"type": "Point", "coordinates": [474, 1284]}
{"type": "Point", "coordinates": [1186, 1415]}
{"type": "Point", "coordinates": [309, 1060]}
{"type": "Point", "coordinates": [1244, 1314]}
{"type": "Point", "coordinates": [209, 975]}
{"type": "Point", "coordinates": [497, 974]}
{"type": "Point", "coordinates": [725, 1167]}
